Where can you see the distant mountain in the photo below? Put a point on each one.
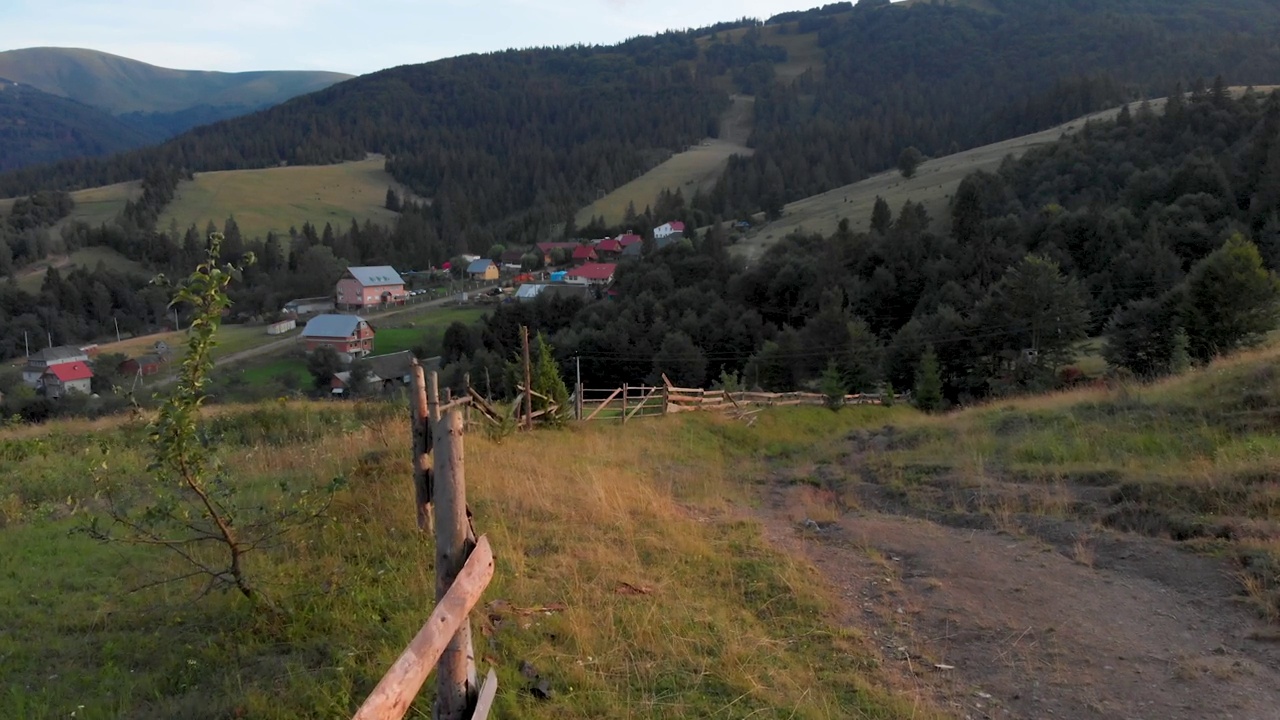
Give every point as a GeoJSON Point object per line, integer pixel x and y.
{"type": "Point", "coordinates": [509, 145]}
{"type": "Point", "coordinates": [36, 127]}
{"type": "Point", "coordinates": [149, 103]}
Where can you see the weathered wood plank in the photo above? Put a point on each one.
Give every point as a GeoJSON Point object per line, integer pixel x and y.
{"type": "Point", "coordinates": [488, 693]}
{"type": "Point", "coordinates": [391, 699]}
{"type": "Point", "coordinates": [604, 404]}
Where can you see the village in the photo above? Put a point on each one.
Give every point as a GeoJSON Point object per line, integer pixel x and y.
{"type": "Point", "coordinates": [342, 323]}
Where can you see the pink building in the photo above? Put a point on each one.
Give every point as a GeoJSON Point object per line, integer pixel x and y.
{"type": "Point", "coordinates": [366, 287]}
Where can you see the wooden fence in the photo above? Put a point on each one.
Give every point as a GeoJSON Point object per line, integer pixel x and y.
{"type": "Point", "coordinates": [627, 402]}
{"type": "Point", "coordinates": [464, 567]}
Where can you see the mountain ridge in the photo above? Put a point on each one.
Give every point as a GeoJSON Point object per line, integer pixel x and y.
{"type": "Point", "coordinates": [123, 85]}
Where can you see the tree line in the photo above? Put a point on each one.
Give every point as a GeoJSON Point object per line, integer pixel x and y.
{"type": "Point", "coordinates": [1160, 232]}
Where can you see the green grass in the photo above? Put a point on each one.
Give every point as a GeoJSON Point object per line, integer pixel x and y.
{"type": "Point", "coordinates": [275, 370]}
{"type": "Point", "coordinates": [730, 627]}
{"type": "Point", "coordinates": [278, 198]}
{"type": "Point", "coordinates": [32, 278]}
{"type": "Point", "coordinates": [94, 206]}
{"type": "Point", "coordinates": [699, 167]}
{"type": "Point", "coordinates": [1193, 458]}
{"type": "Point", "coordinates": [932, 186]}
{"type": "Point", "coordinates": [426, 327]}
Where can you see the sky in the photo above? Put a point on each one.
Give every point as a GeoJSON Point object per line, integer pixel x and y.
{"type": "Point", "coordinates": [351, 36]}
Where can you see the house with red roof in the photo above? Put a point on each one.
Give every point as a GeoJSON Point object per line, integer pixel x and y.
{"type": "Point", "coordinates": [546, 247]}
{"type": "Point", "coordinates": [584, 254]}
{"type": "Point", "coordinates": [608, 247]}
{"type": "Point", "coordinates": [62, 378]}
{"type": "Point", "coordinates": [592, 274]}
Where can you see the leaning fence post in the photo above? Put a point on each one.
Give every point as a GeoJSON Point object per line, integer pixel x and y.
{"type": "Point", "coordinates": [456, 676]}
{"type": "Point", "coordinates": [422, 427]}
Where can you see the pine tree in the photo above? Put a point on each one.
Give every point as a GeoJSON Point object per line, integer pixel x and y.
{"type": "Point", "coordinates": [832, 386]}
{"type": "Point", "coordinates": [881, 216]}
{"type": "Point", "coordinates": [928, 391]}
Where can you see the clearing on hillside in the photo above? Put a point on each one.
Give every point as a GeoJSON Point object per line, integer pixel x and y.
{"type": "Point", "coordinates": [933, 184]}
{"type": "Point", "coordinates": [696, 168]}
{"type": "Point", "coordinates": [276, 199]}
{"type": "Point", "coordinates": [32, 277]}
{"type": "Point", "coordinates": [94, 206]}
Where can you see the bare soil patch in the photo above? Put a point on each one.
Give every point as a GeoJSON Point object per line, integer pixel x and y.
{"type": "Point", "coordinates": [1057, 618]}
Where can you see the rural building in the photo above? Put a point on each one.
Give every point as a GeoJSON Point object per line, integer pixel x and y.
{"type": "Point", "coordinates": [63, 378]}
{"type": "Point", "coordinates": [387, 371]}
{"type": "Point", "coordinates": [592, 274]}
{"type": "Point", "coordinates": [584, 254]}
{"type": "Point", "coordinates": [608, 247]}
{"type": "Point", "coordinates": [482, 269]}
{"type": "Point", "coordinates": [546, 247]}
{"type": "Point", "coordinates": [40, 363]}
{"type": "Point", "coordinates": [668, 233]}
{"type": "Point", "coordinates": [513, 257]}
{"type": "Point", "coordinates": [303, 307]}
{"type": "Point", "coordinates": [282, 327]}
{"type": "Point", "coordinates": [375, 286]}
{"type": "Point", "coordinates": [348, 334]}
{"type": "Point", "coordinates": [531, 291]}
{"type": "Point", "coordinates": [144, 366]}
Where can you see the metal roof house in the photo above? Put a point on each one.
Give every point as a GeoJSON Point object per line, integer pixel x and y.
{"type": "Point", "coordinates": [372, 286]}
{"type": "Point", "coordinates": [348, 334]}
{"type": "Point", "coordinates": [482, 269]}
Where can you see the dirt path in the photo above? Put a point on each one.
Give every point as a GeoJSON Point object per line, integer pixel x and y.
{"type": "Point", "coordinates": [991, 625]}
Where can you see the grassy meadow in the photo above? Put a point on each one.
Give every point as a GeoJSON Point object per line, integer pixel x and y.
{"type": "Point", "coordinates": [1193, 458]}
{"type": "Point", "coordinates": [30, 279]}
{"type": "Point", "coordinates": [933, 185]}
{"type": "Point", "coordinates": [628, 575]}
{"type": "Point", "coordinates": [695, 168]}
{"type": "Point", "coordinates": [278, 198]}
{"type": "Point", "coordinates": [96, 206]}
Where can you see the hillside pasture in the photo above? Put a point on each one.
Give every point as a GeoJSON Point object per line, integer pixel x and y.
{"type": "Point", "coordinates": [31, 278]}
{"type": "Point", "coordinates": [933, 185]}
{"type": "Point", "coordinates": [624, 576]}
{"type": "Point", "coordinates": [696, 168]}
{"type": "Point", "coordinates": [276, 199]}
{"type": "Point", "coordinates": [94, 206]}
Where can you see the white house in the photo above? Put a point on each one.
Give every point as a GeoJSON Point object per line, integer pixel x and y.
{"type": "Point", "coordinates": [668, 233]}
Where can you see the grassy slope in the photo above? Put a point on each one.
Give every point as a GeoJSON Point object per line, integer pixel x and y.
{"type": "Point", "coordinates": [1194, 458]}
{"type": "Point", "coordinates": [933, 184]}
{"type": "Point", "coordinates": [701, 165]}
{"type": "Point", "coordinates": [95, 206]}
{"type": "Point", "coordinates": [730, 628]}
{"type": "Point", "coordinates": [30, 279]}
{"type": "Point", "coordinates": [277, 198]}
{"type": "Point", "coordinates": [696, 168]}
{"type": "Point", "coordinates": [122, 85]}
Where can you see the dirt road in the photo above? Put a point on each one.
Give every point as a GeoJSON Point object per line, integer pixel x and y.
{"type": "Point", "coordinates": [992, 624]}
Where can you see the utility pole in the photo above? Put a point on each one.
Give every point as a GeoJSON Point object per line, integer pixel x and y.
{"type": "Point", "coordinates": [26, 344]}
{"type": "Point", "coordinates": [116, 320]}
{"type": "Point", "coordinates": [577, 390]}
{"type": "Point", "coordinates": [528, 381]}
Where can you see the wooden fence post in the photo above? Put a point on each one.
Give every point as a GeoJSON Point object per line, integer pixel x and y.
{"type": "Point", "coordinates": [577, 402]}
{"type": "Point", "coordinates": [624, 403]}
{"type": "Point", "coordinates": [422, 441]}
{"type": "Point", "coordinates": [456, 674]}
{"type": "Point", "coordinates": [528, 381]}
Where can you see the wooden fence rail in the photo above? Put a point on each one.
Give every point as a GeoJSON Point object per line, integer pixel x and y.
{"type": "Point", "coordinates": [627, 402]}
{"type": "Point", "coordinates": [464, 567]}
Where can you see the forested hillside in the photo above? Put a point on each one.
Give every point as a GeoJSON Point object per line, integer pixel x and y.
{"type": "Point", "coordinates": [36, 127]}
{"type": "Point", "coordinates": [508, 144]}
{"type": "Point", "coordinates": [83, 103]}
{"type": "Point", "coordinates": [1139, 229]}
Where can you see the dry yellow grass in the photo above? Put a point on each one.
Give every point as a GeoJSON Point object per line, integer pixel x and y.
{"type": "Point", "coordinates": [278, 198]}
